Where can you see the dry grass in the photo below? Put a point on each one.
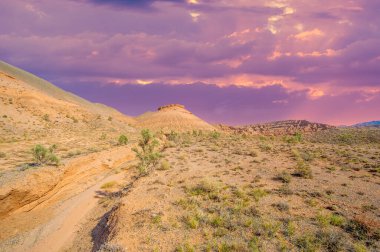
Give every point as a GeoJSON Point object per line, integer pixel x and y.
{"type": "Point", "coordinates": [228, 199]}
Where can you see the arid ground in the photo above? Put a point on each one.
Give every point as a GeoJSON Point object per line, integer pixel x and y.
{"type": "Point", "coordinates": [79, 176]}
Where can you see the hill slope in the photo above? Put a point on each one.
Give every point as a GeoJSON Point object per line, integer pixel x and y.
{"type": "Point", "coordinates": [33, 106]}
{"type": "Point", "coordinates": [172, 117]}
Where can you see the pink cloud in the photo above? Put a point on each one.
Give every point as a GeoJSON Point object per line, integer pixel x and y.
{"type": "Point", "coordinates": [327, 48]}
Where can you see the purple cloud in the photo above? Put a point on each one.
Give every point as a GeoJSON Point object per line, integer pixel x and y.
{"type": "Point", "coordinates": [234, 105]}
{"type": "Point", "coordinates": [132, 3]}
{"type": "Point", "coordinates": [325, 47]}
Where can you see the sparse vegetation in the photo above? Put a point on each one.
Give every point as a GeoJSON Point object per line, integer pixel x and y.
{"type": "Point", "coordinates": [226, 192]}
{"type": "Point", "coordinates": [258, 193]}
{"type": "Point", "coordinates": [44, 155]}
{"type": "Point", "coordinates": [165, 165]}
{"type": "Point", "coordinates": [107, 247]}
{"type": "Point", "coordinates": [109, 185]}
{"type": "Point", "coordinates": [147, 152]}
{"type": "Point", "coordinates": [123, 140]}
{"type": "Point", "coordinates": [284, 177]}
{"type": "Point", "coordinates": [215, 135]}
{"type": "Point", "coordinates": [46, 117]}
{"type": "Point", "coordinates": [303, 170]}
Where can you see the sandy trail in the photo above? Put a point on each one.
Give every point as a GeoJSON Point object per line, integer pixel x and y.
{"type": "Point", "coordinates": [60, 231]}
{"type": "Point", "coordinates": [50, 223]}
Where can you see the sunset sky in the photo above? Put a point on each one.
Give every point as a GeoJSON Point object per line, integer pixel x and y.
{"type": "Point", "coordinates": [234, 62]}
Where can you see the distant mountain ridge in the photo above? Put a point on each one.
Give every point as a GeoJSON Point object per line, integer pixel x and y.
{"type": "Point", "coordinates": [287, 127]}
{"type": "Point", "coordinates": [368, 124]}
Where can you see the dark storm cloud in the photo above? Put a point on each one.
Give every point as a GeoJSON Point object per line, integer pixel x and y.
{"type": "Point", "coordinates": [132, 3]}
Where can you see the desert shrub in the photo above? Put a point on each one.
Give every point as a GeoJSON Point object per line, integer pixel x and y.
{"type": "Point", "coordinates": [332, 241]}
{"type": "Point", "coordinates": [203, 188]}
{"type": "Point", "coordinates": [109, 118]}
{"type": "Point", "coordinates": [257, 194]}
{"type": "Point", "coordinates": [266, 228]}
{"type": "Point", "coordinates": [156, 219]}
{"type": "Point", "coordinates": [192, 221]}
{"type": "Point", "coordinates": [53, 159]}
{"type": "Point", "coordinates": [289, 228]}
{"type": "Point", "coordinates": [217, 221]}
{"type": "Point", "coordinates": [337, 220]}
{"type": "Point", "coordinates": [265, 147]}
{"type": "Point", "coordinates": [296, 138]}
{"type": "Point", "coordinates": [123, 140]}
{"type": "Point", "coordinates": [165, 165]}
{"type": "Point", "coordinates": [227, 247]}
{"type": "Point", "coordinates": [147, 153]}
{"type": "Point", "coordinates": [323, 219]}
{"type": "Point", "coordinates": [253, 244]}
{"type": "Point", "coordinates": [103, 136]}
{"type": "Point", "coordinates": [173, 136]}
{"type": "Point", "coordinates": [44, 155]}
{"type": "Point", "coordinates": [215, 134]}
{"type": "Point", "coordinates": [109, 185]}
{"type": "Point", "coordinates": [307, 243]}
{"type": "Point", "coordinates": [2, 154]}
{"type": "Point", "coordinates": [346, 138]}
{"type": "Point", "coordinates": [185, 248]}
{"type": "Point", "coordinates": [46, 117]}
{"type": "Point", "coordinates": [107, 247]}
{"type": "Point", "coordinates": [306, 156]}
{"type": "Point", "coordinates": [285, 190]}
{"type": "Point", "coordinates": [281, 206]}
{"type": "Point", "coordinates": [73, 153]}
{"type": "Point", "coordinates": [284, 177]}
{"type": "Point", "coordinates": [363, 229]}
{"type": "Point", "coordinates": [303, 170]}
{"type": "Point", "coordinates": [359, 247]}
{"type": "Point", "coordinates": [197, 133]}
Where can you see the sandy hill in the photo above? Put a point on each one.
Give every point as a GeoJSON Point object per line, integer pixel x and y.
{"type": "Point", "coordinates": [32, 106]}
{"type": "Point", "coordinates": [287, 127]}
{"type": "Point", "coordinates": [172, 117]}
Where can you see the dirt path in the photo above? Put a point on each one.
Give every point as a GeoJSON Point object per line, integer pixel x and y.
{"type": "Point", "coordinates": [50, 223]}
{"type": "Point", "coordinates": [60, 231]}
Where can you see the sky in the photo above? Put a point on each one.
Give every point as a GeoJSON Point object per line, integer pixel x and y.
{"type": "Point", "coordinates": [232, 62]}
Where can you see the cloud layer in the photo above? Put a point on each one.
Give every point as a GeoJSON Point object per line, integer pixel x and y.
{"type": "Point", "coordinates": [321, 55]}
